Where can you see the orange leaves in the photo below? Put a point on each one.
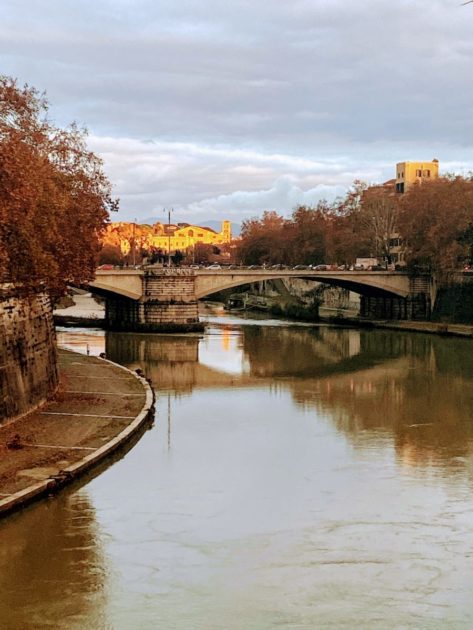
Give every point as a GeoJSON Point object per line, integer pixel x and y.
{"type": "Point", "coordinates": [436, 220]}
{"type": "Point", "coordinates": [54, 196]}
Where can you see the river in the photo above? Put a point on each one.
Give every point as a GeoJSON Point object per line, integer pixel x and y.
{"type": "Point", "coordinates": [295, 477]}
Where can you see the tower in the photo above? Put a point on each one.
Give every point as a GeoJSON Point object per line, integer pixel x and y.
{"type": "Point", "coordinates": [226, 231]}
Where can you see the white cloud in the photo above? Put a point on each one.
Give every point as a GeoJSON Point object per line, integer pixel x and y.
{"type": "Point", "coordinates": [203, 182]}
{"type": "Point", "coordinates": [212, 104]}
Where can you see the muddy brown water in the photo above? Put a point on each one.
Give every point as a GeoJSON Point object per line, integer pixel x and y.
{"type": "Point", "coordinates": [296, 477]}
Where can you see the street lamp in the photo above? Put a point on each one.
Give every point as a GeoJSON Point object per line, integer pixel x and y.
{"type": "Point", "coordinates": [134, 243]}
{"type": "Point", "coordinates": [169, 233]}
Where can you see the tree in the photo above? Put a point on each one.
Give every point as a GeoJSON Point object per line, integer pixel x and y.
{"type": "Point", "coordinates": [309, 234]}
{"type": "Point", "coordinates": [265, 240]}
{"type": "Point", "coordinates": [378, 217]}
{"type": "Point", "coordinates": [54, 196]}
{"type": "Point", "coordinates": [201, 253]}
{"type": "Point", "coordinates": [436, 222]}
{"type": "Point", "coordinates": [177, 257]}
{"type": "Point", "coordinates": [110, 254]}
{"type": "Point", "coordinates": [346, 236]}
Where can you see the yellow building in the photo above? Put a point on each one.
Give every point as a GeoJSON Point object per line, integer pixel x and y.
{"type": "Point", "coordinates": [410, 173]}
{"type": "Point", "coordinates": [184, 236]}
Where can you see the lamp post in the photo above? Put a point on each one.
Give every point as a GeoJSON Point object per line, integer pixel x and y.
{"type": "Point", "coordinates": [134, 243]}
{"type": "Point", "coordinates": [169, 233]}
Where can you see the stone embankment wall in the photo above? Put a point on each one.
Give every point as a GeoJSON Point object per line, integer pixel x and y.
{"type": "Point", "coordinates": [28, 370]}
{"type": "Point", "coordinates": [454, 302]}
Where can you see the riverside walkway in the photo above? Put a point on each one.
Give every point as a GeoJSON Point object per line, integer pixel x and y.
{"type": "Point", "coordinates": [97, 408]}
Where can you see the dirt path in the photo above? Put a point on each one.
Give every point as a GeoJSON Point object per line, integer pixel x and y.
{"type": "Point", "coordinates": [95, 402]}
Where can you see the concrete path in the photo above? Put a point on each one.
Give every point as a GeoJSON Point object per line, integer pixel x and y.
{"type": "Point", "coordinates": [99, 405]}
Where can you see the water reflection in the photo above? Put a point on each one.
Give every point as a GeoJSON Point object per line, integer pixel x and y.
{"type": "Point", "coordinates": [296, 477]}
{"type": "Point", "coordinates": [416, 389]}
{"type": "Point", "coordinates": [52, 569]}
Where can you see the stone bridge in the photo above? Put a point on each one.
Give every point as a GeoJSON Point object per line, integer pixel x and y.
{"type": "Point", "coordinates": [159, 298]}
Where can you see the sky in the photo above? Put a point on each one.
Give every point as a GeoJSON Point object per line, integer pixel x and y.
{"type": "Point", "coordinates": [222, 109]}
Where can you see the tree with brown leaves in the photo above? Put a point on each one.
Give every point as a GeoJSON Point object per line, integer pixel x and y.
{"type": "Point", "coordinates": [436, 223]}
{"type": "Point", "coordinates": [54, 196]}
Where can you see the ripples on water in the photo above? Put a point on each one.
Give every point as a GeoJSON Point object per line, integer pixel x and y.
{"type": "Point", "coordinates": [296, 476]}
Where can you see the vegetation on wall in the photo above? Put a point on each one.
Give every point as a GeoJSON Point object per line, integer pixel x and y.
{"type": "Point", "coordinates": [54, 195]}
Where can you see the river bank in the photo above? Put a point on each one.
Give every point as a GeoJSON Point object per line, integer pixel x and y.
{"type": "Point", "coordinates": [98, 406]}
{"type": "Point", "coordinates": [435, 328]}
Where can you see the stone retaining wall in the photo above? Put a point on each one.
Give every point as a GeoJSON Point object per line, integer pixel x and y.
{"type": "Point", "coordinates": [454, 301]}
{"type": "Point", "coordinates": [28, 371]}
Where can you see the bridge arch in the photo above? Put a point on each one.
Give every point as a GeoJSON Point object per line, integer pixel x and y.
{"type": "Point", "coordinates": [121, 283]}
{"type": "Point", "coordinates": [376, 284]}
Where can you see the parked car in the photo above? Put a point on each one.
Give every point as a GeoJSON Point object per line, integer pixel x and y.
{"type": "Point", "coordinates": [320, 268]}
{"type": "Point", "coordinates": [106, 267]}
{"type": "Point", "coordinates": [214, 266]}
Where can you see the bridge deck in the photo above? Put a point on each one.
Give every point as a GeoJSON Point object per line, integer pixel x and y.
{"type": "Point", "coordinates": [128, 282]}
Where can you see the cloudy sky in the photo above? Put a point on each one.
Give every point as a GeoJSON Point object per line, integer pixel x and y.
{"type": "Point", "coordinates": [225, 108]}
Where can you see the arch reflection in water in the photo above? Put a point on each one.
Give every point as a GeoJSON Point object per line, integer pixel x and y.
{"type": "Point", "coordinates": [373, 384]}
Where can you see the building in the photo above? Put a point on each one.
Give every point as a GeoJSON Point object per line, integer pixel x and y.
{"type": "Point", "coordinates": [170, 238]}
{"type": "Point", "coordinates": [410, 173]}
{"type": "Point", "coordinates": [135, 237]}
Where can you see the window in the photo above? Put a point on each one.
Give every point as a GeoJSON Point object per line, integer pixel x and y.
{"type": "Point", "coordinates": [427, 173]}
{"type": "Point", "coordinates": [418, 173]}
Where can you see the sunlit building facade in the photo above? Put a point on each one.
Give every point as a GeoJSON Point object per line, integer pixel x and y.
{"type": "Point", "coordinates": [410, 173]}
{"type": "Point", "coordinates": [184, 236]}
{"type": "Point", "coordinates": [164, 237]}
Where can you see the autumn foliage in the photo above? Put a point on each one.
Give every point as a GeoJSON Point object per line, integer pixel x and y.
{"type": "Point", "coordinates": [434, 222]}
{"type": "Point", "coordinates": [311, 235]}
{"type": "Point", "coordinates": [54, 196]}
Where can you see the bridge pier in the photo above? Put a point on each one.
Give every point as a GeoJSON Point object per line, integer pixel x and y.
{"type": "Point", "coordinates": [413, 307]}
{"type": "Point", "coordinates": [168, 303]}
